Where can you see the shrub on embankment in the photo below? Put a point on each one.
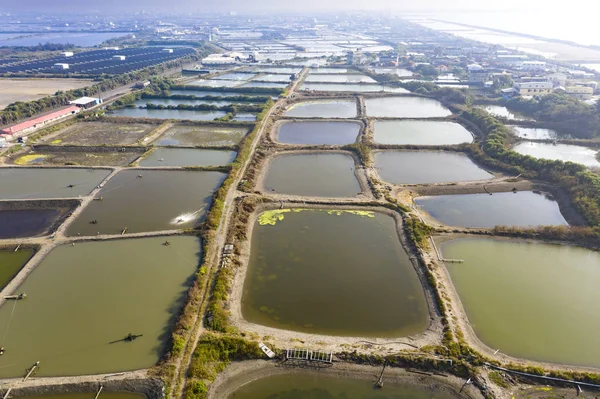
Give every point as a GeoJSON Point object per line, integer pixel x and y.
{"type": "Point", "coordinates": [582, 184]}
{"type": "Point", "coordinates": [212, 354]}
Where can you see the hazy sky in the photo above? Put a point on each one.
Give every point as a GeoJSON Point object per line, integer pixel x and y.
{"type": "Point", "coordinates": [286, 5]}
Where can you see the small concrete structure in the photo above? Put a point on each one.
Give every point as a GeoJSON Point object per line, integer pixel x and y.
{"type": "Point", "coordinates": [86, 102]}
{"type": "Point", "coordinates": [61, 66]}
{"type": "Point", "coordinates": [67, 54]}
{"type": "Point", "coordinates": [119, 57]}
{"type": "Point", "coordinates": [167, 50]}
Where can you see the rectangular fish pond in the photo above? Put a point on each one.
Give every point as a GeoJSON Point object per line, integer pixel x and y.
{"type": "Point", "coordinates": [406, 107]}
{"type": "Point", "coordinates": [80, 156]}
{"type": "Point", "coordinates": [523, 209]}
{"type": "Point", "coordinates": [20, 219]}
{"type": "Point", "coordinates": [318, 133]}
{"type": "Point", "coordinates": [101, 133]}
{"type": "Point", "coordinates": [187, 157]}
{"type": "Point", "coordinates": [11, 262]}
{"type": "Point", "coordinates": [332, 272]}
{"type": "Point", "coordinates": [427, 167]}
{"type": "Point", "coordinates": [30, 183]}
{"type": "Point", "coordinates": [195, 135]}
{"type": "Point", "coordinates": [158, 200]}
{"type": "Point", "coordinates": [314, 386]}
{"type": "Point", "coordinates": [411, 132]}
{"type": "Point", "coordinates": [82, 300]}
{"type": "Point", "coordinates": [312, 174]}
{"type": "Point", "coordinates": [323, 109]}
{"type": "Point", "coordinates": [529, 299]}
{"type": "Point", "coordinates": [168, 114]}
{"type": "Point", "coordinates": [352, 87]}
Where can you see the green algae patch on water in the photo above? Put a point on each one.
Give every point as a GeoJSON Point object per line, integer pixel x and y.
{"type": "Point", "coordinates": [368, 214]}
{"type": "Point", "coordinates": [272, 217]}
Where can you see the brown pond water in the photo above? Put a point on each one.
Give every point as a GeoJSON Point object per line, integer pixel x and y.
{"type": "Point", "coordinates": [160, 200]}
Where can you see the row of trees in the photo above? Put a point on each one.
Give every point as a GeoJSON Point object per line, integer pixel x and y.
{"type": "Point", "coordinates": [566, 113]}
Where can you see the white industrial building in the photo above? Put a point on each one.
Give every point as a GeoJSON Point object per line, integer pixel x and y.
{"type": "Point", "coordinates": [119, 57]}
{"type": "Point", "coordinates": [533, 66]}
{"type": "Point", "coordinates": [61, 66]}
{"type": "Point", "coordinates": [223, 59]}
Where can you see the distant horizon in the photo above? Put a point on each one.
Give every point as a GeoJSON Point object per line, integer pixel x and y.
{"type": "Point", "coordinates": [278, 6]}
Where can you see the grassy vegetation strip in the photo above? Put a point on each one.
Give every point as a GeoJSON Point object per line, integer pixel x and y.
{"type": "Point", "coordinates": [212, 354]}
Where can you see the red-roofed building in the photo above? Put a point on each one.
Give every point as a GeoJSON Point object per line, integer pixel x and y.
{"type": "Point", "coordinates": [40, 121]}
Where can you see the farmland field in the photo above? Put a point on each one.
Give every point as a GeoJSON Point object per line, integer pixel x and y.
{"type": "Point", "coordinates": [13, 90]}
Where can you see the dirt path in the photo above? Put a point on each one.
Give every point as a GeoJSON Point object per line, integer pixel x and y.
{"type": "Point", "coordinates": [215, 251]}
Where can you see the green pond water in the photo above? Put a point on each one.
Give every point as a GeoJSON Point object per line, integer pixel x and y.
{"type": "Point", "coordinates": [334, 273]}
{"type": "Point", "coordinates": [406, 107]}
{"type": "Point", "coordinates": [426, 167]}
{"type": "Point", "coordinates": [28, 183]}
{"type": "Point", "coordinates": [531, 300]}
{"type": "Point", "coordinates": [160, 200]}
{"type": "Point", "coordinates": [314, 386]}
{"type": "Point", "coordinates": [318, 174]}
{"type": "Point", "coordinates": [81, 298]}
{"type": "Point", "coordinates": [188, 157]}
{"type": "Point", "coordinates": [420, 133]}
{"type": "Point", "coordinates": [323, 109]}
{"type": "Point", "coordinates": [524, 209]}
{"type": "Point", "coordinates": [11, 262]}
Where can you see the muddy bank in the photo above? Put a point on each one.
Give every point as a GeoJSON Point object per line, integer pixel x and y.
{"type": "Point", "coordinates": [241, 373]}
{"type": "Point", "coordinates": [152, 388]}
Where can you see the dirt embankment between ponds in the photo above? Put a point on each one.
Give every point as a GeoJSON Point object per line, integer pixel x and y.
{"type": "Point", "coordinates": [239, 374]}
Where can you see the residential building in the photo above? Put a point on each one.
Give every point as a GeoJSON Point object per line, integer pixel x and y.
{"type": "Point", "coordinates": [579, 92]}
{"type": "Point", "coordinates": [477, 74]}
{"type": "Point", "coordinates": [533, 66]}
{"type": "Point", "coordinates": [533, 88]}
